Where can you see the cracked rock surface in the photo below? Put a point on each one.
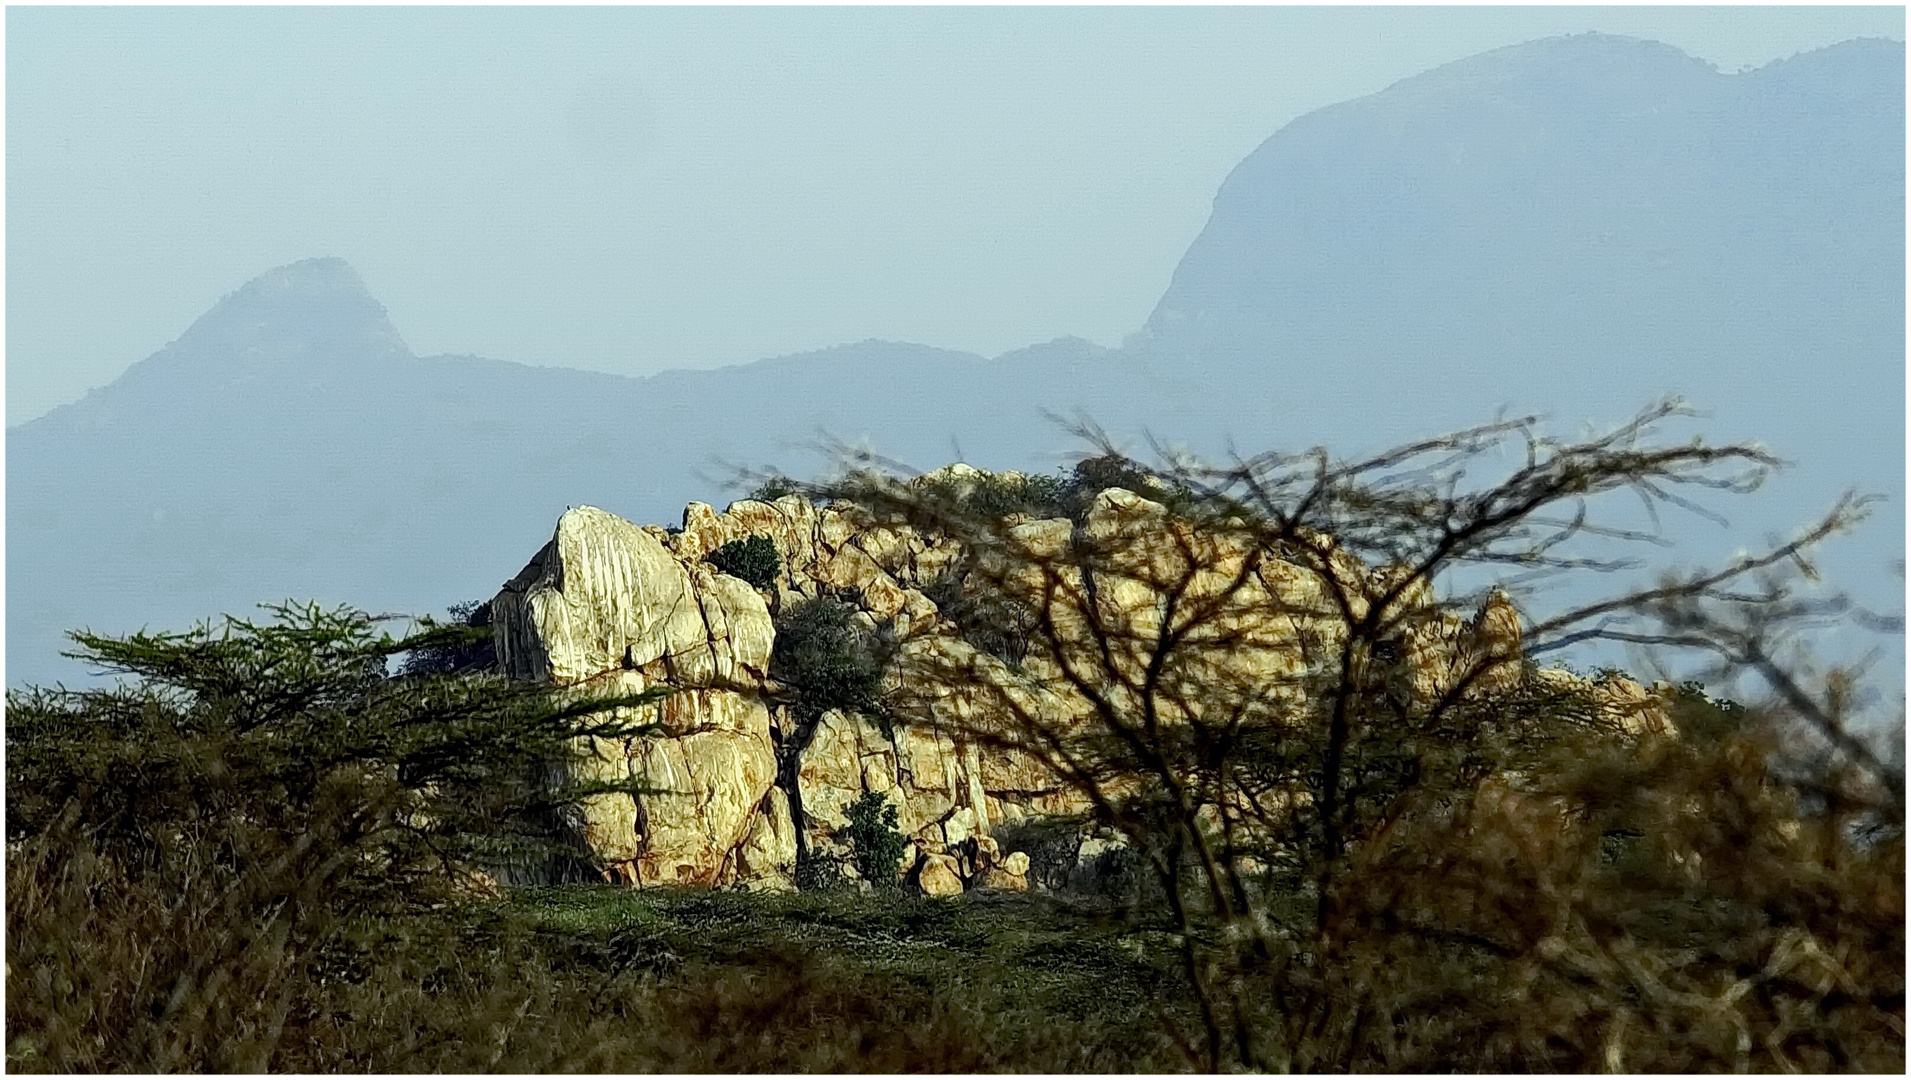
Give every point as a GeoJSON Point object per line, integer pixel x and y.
{"type": "Point", "coordinates": [611, 606]}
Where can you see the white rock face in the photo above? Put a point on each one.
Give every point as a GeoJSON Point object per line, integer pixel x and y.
{"type": "Point", "coordinates": [767, 857]}
{"type": "Point", "coordinates": [609, 606]}
{"type": "Point", "coordinates": [937, 876]}
{"type": "Point", "coordinates": [605, 595]}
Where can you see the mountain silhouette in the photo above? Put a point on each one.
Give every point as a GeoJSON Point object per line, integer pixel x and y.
{"type": "Point", "coordinates": [1579, 219]}
{"type": "Point", "coordinates": [314, 310]}
{"type": "Point", "coordinates": [1576, 225]}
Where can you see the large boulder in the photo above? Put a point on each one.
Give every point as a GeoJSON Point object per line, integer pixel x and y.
{"type": "Point", "coordinates": [936, 876]}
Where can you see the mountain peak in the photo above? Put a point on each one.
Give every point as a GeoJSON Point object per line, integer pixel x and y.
{"type": "Point", "coordinates": [1592, 70]}
{"type": "Point", "coordinates": [320, 272]}
{"type": "Point", "coordinates": [314, 309]}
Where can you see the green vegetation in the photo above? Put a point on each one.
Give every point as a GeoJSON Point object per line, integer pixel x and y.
{"type": "Point", "coordinates": [826, 662]}
{"type": "Point", "coordinates": [284, 744]}
{"type": "Point", "coordinates": [875, 847]}
{"type": "Point", "coordinates": [753, 559]}
{"type": "Point", "coordinates": [827, 659]}
{"type": "Point", "coordinates": [843, 981]}
{"type": "Point", "coordinates": [264, 851]}
{"type": "Point", "coordinates": [1315, 825]}
{"type": "Point", "coordinates": [775, 487]}
{"type": "Point", "coordinates": [601, 979]}
{"type": "Point", "coordinates": [997, 495]}
{"type": "Point", "coordinates": [194, 853]}
{"type": "Point", "coordinates": [456, 656]}
{"type": "Point", "coordinates": [983, 616]}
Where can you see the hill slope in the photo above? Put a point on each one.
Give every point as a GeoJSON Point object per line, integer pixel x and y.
{"type": "Point", "coordinates": [1575, 225]}
{"type": "Point", "coordinates": [290, 444]}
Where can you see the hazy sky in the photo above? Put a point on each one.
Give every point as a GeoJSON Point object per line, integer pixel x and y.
{"type": "Point", "coordinates": [639, 189]}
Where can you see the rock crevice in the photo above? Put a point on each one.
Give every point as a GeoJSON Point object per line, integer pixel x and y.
{"type": "Point", "coordinates": [742, 787]}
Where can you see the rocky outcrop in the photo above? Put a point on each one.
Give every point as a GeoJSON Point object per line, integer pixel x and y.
{"type": "Point", "coordinates": [742, 787]}
{"type": "Point", "coordinates": [612, 607]}
{"type": "Point", "coordinates": [606, 607]}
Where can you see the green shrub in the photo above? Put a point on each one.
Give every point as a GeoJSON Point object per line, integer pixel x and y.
{"type": "Point", "coordinates": [458, 657]}
{"type": "Point", "coordinates": [239, 737]}
{"type": "Point", "coordinates": [774, 488]}
{"type": "Point", "coordinates": [829, 661]}
{"type": "Point", "coordinates": [197, 856]}
{"type": "Point", "coordinates": [149, 980]}
{"type": "Point", "coordinates": [874, 844]}
{"type": "Point", "coordinates": [986, 619]}
{"type": "Point", "coordinates": [753, 559]}
{"type": "Point", "coordinates": [996, 495]}
{"type": "Point", "coordinates": [816, 872]}
{"type": "Point", "coordinates": [993, 495]}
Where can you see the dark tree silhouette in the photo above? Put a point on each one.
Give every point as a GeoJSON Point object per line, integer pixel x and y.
{"type": "Point", "coordinates": [1251, 674]}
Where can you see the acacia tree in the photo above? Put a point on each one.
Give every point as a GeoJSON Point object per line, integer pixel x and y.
{"type": "Point", "coordinates": [1252, 675]}
{"type": "Point", "coordinates": [215, 828]}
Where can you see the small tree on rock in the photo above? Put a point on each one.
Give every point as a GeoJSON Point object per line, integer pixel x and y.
{"type": "Point", "coordinates": [875, 847]}
{"type": "Point", "coordinates": [754, 559]}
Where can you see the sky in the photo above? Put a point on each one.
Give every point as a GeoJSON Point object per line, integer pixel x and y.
{"type": "Point", "coordinates": [639, 189]}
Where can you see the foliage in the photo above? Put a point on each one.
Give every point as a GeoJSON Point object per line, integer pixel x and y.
{"type": "Point", "coordinates": [754, 559]}
{"type": "Point", "coordinates": [1263, 801]}
{"type": "Point", "coordinates": [983, 616]}
{"type": "Point", "coordinates": [588, 979]}
{"type": "Point", "coordinates": [774, 487]}
{"type": "Point", "coordinates": [250, 856]}
{"type": "Point", "coordinates": [998, 495]}
{"type": "Point", "coordinates": [819, 872]}
{"type": "Point", "coordinates": [827, 659]}
{"type": "Point", "coordinates": [244, 734]}
{"type": "Point", "coordinates": [1656, 908]}
{"type": "Point", "coordinates": [457, 657]}
{"type": "Point", "coordinates": [979, 983]}
{"type": "Point", "coordinates": [1061, 862]}
{"type": "Point", "coordinates": [875, 847]}
{"type": "Point", "coordinates": [1095, 474]}
{"type": "Point", "coordinates": [185, 841]}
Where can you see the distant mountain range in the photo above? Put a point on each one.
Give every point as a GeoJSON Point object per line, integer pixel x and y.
{"type": "Point", "coordinates": [1575, 225]}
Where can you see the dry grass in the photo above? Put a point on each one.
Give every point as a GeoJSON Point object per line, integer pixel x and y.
{"type": "Point", "coordinates": [1659, 909]}
{"type": "Point", "coordinates": [1714, 902]}
{"type": "Point", "coordinates": [158, 976]}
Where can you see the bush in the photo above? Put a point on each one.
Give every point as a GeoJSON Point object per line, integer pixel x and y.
{"type": "Point", "coordinates": [984, 617]}
{"type": "Point", "coordinates": [875, 847]}
{"type": "Point", "coordinates": [1379, 858]}
{"type": "Point", "coordinates": [1664, 907]}
{"type": "Point", "coordinates": [775, 487]}
{"type": "Point", "coordinates": [657, 981]}
{"type": "Point", "coordinates": [817, 872]}
{"type": "Point", "coordinates": [753, 559]}
{"type": "Point", "coordinates": [829, 661]}
{"type": "Point", "coordinates": [458, 657]}
{"type": "Point", "coordinates": [196, 853]}
{"type": "Point", "coordinates": [997, 495]}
